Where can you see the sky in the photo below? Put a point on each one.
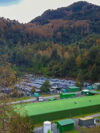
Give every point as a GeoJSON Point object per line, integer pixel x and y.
{"type": "Point", "coordinates": [25, 10]}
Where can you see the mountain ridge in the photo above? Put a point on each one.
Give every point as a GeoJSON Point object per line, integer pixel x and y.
{"type": "Point", "coordinates": [66, 13]}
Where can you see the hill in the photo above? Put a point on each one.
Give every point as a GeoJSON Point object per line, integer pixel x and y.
{"type": "Point", "coordinates": [60, 43]}
{"type": "Point", "coordinates": [78, 11]}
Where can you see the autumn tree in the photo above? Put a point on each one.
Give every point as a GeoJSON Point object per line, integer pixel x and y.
{"type": "Point", "coordinates": [78, 61]}
{"type": "Point", "coordinates": [7, 75]}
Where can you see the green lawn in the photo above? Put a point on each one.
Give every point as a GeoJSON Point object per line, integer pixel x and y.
{"type": "Point", "coordinates": [73, 131]}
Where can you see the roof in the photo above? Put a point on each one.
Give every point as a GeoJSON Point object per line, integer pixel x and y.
{"type": "Point", "coordinates": [73, 87]}
{"type": "Point", "coordinates": [86, 118]}
{"type": "Point", "coordinates": [85, 90]}
{"type": "Point", "coordinates": [40, 108]}
{"type": "Point", "coordinates": [65, 122]}
{"type": "Point", "coordinates": [89, 87]}
{"type": "Point", "coordinates": [64, 94]}
{"type": "Point", "coordinates": [93, 92]}
{"type": "Point", "coordinates": [36, 95]}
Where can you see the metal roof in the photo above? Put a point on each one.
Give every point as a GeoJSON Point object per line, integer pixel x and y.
{"type": "Point", "coordinates": [33, 109]}
{"type": "Point", "coordinates": [65, 122]}
{"type": "Point", "coordinates": [74, 87]}
{"type": "Point", "coordinates": [86, 118]}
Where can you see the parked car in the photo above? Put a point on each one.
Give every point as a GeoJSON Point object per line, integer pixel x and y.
{"type": "Point", "coordinates": [41, 99]}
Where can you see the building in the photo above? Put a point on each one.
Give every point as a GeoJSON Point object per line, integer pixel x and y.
{"type": "Point", "coordinates": [96, 86]}
{"type": "Point", "coordinates": [89, 87]}
{"type": "Point", "coordinates": [65, 125]}
{"type": "Point", "coordinates": [59, 109]}
{"type": "Point", "coordinates": [84, 92]}
{"type": "Point", "coordinates": [63, 90]}
{"type": "Point", "coordinates": [73, 89]}
{"type": "Point", "coordinates": [87, 121]}
{"type": "Point", "coordinates": [88, 93]}
{"type": "Point", "coordinates": [66, 95]}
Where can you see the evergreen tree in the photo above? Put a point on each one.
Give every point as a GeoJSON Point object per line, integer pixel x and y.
{"type": "Point", "coordinates": [45, 87]}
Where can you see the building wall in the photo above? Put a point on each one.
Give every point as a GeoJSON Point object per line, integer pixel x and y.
{"type": "Point", "coordinates": [86, 122]}
{"type": "Point", "coordinates": [65, 113]}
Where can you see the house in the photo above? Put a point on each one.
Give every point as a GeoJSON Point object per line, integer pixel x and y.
{"type": "Point", "coordinates": [87, 121]}
{"type": "Point", "coordinates": [65, 125]}
{"type": "Point", "coordinates": [73, 89]}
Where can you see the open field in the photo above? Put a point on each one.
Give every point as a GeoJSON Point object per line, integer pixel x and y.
{"type": "Point", "coordinates": [60, 108]}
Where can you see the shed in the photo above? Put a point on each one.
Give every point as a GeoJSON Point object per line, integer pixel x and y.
{"type": "Point", "coordinates": [87, 121]}
{"type": "Point", "coordinates": [65, 125]}
{"type": "Point", "coordinates": [96, 86]}
{"type": "Point", "coordinates": [63, 90]}
{"type": "Point", "coordinates": [36, 94]}
{"type": "Point", "coordinates": [89, 87]}
{"type": "Point", "coordinates": [73, 89]}
{"type": "Point", "coordinates": [93, 92]}
{"type": "Point", "coordinates": [84, 92]}
{"type": "Point", "coordinates": [67, 95]}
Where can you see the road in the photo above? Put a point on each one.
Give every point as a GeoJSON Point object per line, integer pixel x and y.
{"type": "Point", "coordinates": [34, 99]}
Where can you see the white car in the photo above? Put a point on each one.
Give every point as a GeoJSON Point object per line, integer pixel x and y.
{"type": "Point", "coordinates": [41, 99]}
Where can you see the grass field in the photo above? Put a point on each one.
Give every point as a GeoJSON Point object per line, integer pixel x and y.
{"type": "Point", "coordinates": [73, 131]}
{"type": "Point", "coordinates": [60, 108]}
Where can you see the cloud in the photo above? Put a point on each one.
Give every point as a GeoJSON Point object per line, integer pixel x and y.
{"type": "Point", "coordinates": [26, 10]}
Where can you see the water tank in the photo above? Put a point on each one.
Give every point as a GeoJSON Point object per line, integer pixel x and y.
{"type": "Point", "coordinates": [47, 127]}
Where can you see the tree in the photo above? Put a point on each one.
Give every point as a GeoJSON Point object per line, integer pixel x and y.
{"type": "Point", "coordinates": [78, 61]}
{"type": "Point", "coordinates": [11, 122]}
{"type": "Point", "coordinates": [45, 87]}
{"type": "Point", "coordinates": [80, 79]}
{"type": "Point", "coordinates": [33, 90]}
{"type": "Point", "coordinates": [20, 124]}
{"type": "Point", "coordinates": [7, 75]}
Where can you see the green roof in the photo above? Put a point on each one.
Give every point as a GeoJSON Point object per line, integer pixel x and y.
{"type": "Point", "coordinates": [33, 109]}
{"type": "Point", "coordinates": [73, 87]}
{"type": "Point", "coordinates": [67, 93]}
{"type": "Point", "coordinates": [93, 92]}
{"type": "Point", "coordinates": [36, 95]}
{"type": "Point", "coordinates": [65, 122]}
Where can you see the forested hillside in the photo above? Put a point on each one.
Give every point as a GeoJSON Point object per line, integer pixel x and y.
{"type": "Point", "coordinates": [60, 43]}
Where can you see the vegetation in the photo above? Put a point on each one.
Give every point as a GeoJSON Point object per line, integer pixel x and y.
{"type": "Point", "coordinates": [67, 45]}
{"type": "Point", "coordinates": [45, 87]}
{"type": "Point", "coordinates": [10, 122]}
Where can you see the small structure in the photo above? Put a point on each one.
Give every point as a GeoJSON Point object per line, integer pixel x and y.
{"type": "Point", "coordinates": [73, 89]}
{"type": "Point", "coordinates": [96, 86]}
{"type": "Point", "coordinates": [88, 93]}
{"type": "Point", "coordinates": [40, 99]}
{"type": "Point", "coordinates": [47, 127]}
{"type": "Point", "coordinates": [53, 89]}
{"type": "Point", "coordinates": [63, 90]}
{"type": "Point", "coordinates": [92, 92]}
{"type": "Point", "coordinates": [66, 95]}
{"type": "Point", "coordinates": [87, 121]}
{"type": "Point", "coordinates": [36, 94]}
{"type": "Point", "coordinates": [65, 125]}
{"type": "Point", "coordinates": [89, 87]}
{"type": "Point", "coordinates": [84, 92]}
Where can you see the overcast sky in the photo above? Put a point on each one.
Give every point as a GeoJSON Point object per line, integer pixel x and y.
{"type": "Point", "coordinates": [26, 10]}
